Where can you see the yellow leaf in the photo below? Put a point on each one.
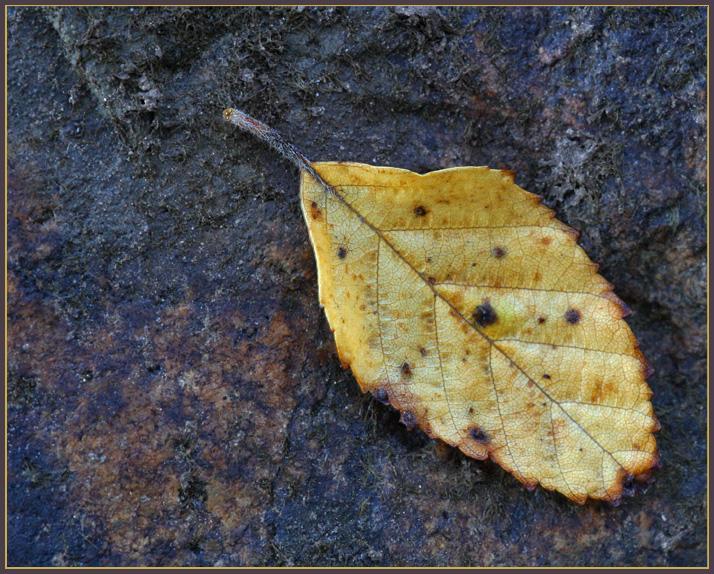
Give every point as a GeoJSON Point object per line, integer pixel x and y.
{"type": "Point", "coordinates": [461, 300]}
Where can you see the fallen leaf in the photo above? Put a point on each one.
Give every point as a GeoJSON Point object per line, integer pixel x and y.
{"type": "Point", "coordinates": [459, 299]}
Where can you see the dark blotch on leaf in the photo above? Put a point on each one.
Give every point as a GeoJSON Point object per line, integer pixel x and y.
{"type": "Point", "coordinates": [406, 370]}
{"type": "Point", "coordinates": [420, 211]}
{"type": "Point", "coordinates": [315, 212]}
{"type": "Point", "coordinates": [541, 320]}
{"type": "Point", "coordinates": [408, 419]}
{"type": "Point", "coordinates": [546, 376]}
{"type": "Point", "coordinates": [498, 252]}
{"type": "Point", "coordinates": [478, 435]}
{"type": "Point", "coordinates": [485, 314]}
{"type": "Point", "coordinates": [342, 252]}
{"type": "Point", "coordinates": [572, 316]}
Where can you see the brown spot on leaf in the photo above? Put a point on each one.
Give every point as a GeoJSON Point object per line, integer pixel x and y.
{"type": "Point", "coordinates": [546, 240]}
{"type": "Point", "coordinates": [572, 316]}
{"type": "Point", "coordinates": [342, 252]}
{"type": "Point", "coordinates": [422, 351]}
{"type": "Point", "coordinates": [598, 392]}
{"type": "Point", "coordinates": [315, 212]}
{"type": "Point", "coordinates": [541, 320]}
{"type": "Point", "coordinates": [420, 211]}
{"type": "Point", "coordinates": [406, 370]}
{"type": "Point", "coordinates": [546, 376]}
{"type": "Point", "coordinates": [485, 314]}
{"type": "Point", "coordinates": [498, 252]}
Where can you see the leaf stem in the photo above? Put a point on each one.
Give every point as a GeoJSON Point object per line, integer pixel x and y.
{"type": "Point", "coordinates": [273, 138]}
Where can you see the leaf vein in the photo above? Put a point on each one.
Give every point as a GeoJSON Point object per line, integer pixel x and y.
{"type": "Point", "coordinates": [467, 227]}
{"type": "Point", "coordinates": [379, 318]}
{"type": "Point", "coordinates": [441, 370]}
{"type": "Point", "coordinates": [555, 448]}
{"type": "Point", "coordinates": [500, 415]}
{"type": "Point", "coordinates": [560, 345]}
{"type": "Point", "coordinates": [515, 287]}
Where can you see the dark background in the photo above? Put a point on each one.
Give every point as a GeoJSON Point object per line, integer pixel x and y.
{"type": "Point", "coordinates": [175, 397]}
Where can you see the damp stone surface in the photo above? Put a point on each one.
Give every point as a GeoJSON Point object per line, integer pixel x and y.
{"type": "Point", "coordinates": [175, 396]}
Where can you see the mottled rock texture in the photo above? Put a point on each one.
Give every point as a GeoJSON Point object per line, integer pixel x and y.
{"type": "Point", "coordinates": [175, 396]}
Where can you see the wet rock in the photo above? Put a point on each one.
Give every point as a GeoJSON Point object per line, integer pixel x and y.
{"type": "Point", "coordinates": [175, 396]}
